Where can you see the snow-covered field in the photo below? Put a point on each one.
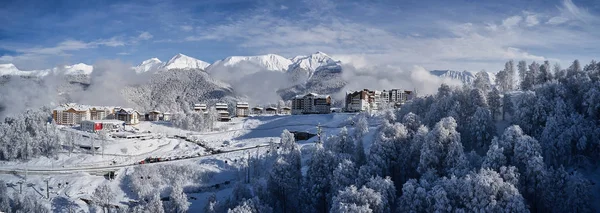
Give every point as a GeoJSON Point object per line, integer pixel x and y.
{"type": "Point", "coordinates": [121, 155]}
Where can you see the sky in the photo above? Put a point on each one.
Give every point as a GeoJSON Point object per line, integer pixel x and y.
{"type": "Point", "coordinates": [445, 34]}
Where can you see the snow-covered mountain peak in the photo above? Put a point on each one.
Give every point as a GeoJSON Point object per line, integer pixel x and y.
{"type": "Point", "coordinates": [149, 65]}
{"type": "Point", "coordinates": [464, 76]}
{"type": "Point", "coordinates": [75, 69]}
{"type": "Point", "coordinates": [181, 61]}
{"type": "Point", "coordinates": [270, 62]}
{"type": "Point", "coordinates": [7, 66]}
{"type": "Point", "coordinates": [314, 62]}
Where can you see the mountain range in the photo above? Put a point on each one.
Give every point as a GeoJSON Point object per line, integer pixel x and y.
{"type": "Point", "coordinates": [262, 78]}
{"type": "Point", "coordinates": [465, 77]}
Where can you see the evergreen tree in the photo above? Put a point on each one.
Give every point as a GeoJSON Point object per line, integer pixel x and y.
{"type": "Point", "coordinates": [385, 187]}
{"type": "Point", "coordinates": [178, 200]}
{"type": "Point", "coordinates": [442, 151]}
{"type": "Point", "coordinates": [352, 199]}
{"type": "Point", "coordinates": [509, 68]}
{"type": "Point", "coordinates": [522, 67]}
{"type": "Point", "coordinates": [343, 176]}
{"type": "Point", "coordinates": [317, 187]}
{"type": "Point", "coordinates": [4, 199]}
{"type": "Point", "coordinates": [494, 158]}
{"type": "Point", "coordinates": [545, 74]}
{"type": "Point", "coordinates": [502, 81]}
{"type": "Point", "coordinates": [482, 81]}
{"type": "Point", "coordinates": [103, 197]}
{"type": "Point", "coordinates": [482, 129]}
{"type": "Point", "coordinates": [494, 102]}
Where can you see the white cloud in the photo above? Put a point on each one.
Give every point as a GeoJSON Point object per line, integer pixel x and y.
{"type": "Point", "coordinates": [531, 20]}
{"type": "Point", "coordinates": [569, 12]}
{"type": "Point", "coordinates": [187, 28]}
{"type": "Point", "coordinates": [145, 36]}
{"type": "Point", "coordinates": [512, 21]}
{"type": "Point", "coordinates": [455, 45]}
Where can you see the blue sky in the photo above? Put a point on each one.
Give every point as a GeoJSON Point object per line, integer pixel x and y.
{"type": "Point", "coordinates": [453, 34]}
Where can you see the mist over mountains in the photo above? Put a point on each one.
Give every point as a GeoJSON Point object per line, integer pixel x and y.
{"type": "Point", "coordinates": [183, 80]}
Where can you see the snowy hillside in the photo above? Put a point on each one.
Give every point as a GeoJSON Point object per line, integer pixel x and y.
{"type": "Point", "coordinates": [152, 64]}
{"type": "Point", "coordinates": [76, 69]}
{"type": "Point", "coordinates": [269, 62]}
{"type": "Point", "coordinates": [304, 67]}
{"type": "Point", "coordinates": [464, 76]}
{"type": "Point", "coordinates": [181, 61]}
{"type": "Point", "coordinates": [177, 91]}
{"type": "Point", "coordinates": [313, 62]}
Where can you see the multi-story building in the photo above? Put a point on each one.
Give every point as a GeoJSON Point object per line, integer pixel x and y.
{"type": "Point", "coordinates": [100, 113]}
{"type": "Point", "coordinates": [73, 114]}
{"type": "Point", "coordinates": [364, 100]}
{"type": "Point", "coordinates": [223, 111]}
{"type": "Point", "coordinates": [372, 100]}
{"type": "Point", "coordinates": [200, 108]}
{"type": "Point", "coordinates": [129, 115]}
{"type": "Point", "coordinates": [97, 125]}
{"type": "Point", "coordinates": [242, 109]}
{"type": "Point", "coordinates": [399, 97]}
{"type": "Point", "coordinates": [311, 103]}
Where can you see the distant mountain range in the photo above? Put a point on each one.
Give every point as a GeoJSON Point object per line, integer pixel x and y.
{"type": "Point", "coordinates": [464, 76]}
{"type": "Point", "coordinates": [232, 78]}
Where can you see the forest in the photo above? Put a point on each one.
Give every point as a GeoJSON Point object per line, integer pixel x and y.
{"type": "Point", "coordinates": [523, 144]}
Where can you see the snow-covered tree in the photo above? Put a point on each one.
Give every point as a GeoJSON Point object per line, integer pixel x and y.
{"type": "Point", "coordinates": [154, 205]}
{"type": "Point", "coordinates": [103, 196]}
{"type": "Point", "coordinates": [545, 74]}
{"type": "Point", "coordinates": [502, 80]}
{"type": "Point", "coordinates": [253, 205]}
{"type": "Point", "coordinates": [509, 68]}
{"type": "Point", "coordinates": [343, 176]}
{"type": "Point", "coordinates": [284, 181]}
{"type": "Point", "coordinates": [317, 187]}
{"type": "Point", "coordinates": [352, 199]}
{"type": "Point", "coordinates": [178, 200]}
{"type": "Point", "coordinates": [494, 158]}
{"type": "Point", "coordinates": [442, 151]}
{"type": "Point", "coordinates": [482, 81]}
{"type": "Point", "coordinates": [211, 118]}
{"type": "Point", "coordinates": [481, 129]}
{"type": "Point", "coordinates": [522, 68]}
{"type": "Point", "coordinates": [4, 198]}
{"type": "Point", "coordinates": [342, 144]}
{"type": "Point", "coordinates": [385, 187]}
{"type": "Point", "coordinates": [494, 102]}
{"type": "Point", "coordinates": [412, 122]}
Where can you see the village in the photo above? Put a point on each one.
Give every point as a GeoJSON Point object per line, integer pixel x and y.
{"type": "Point", "coordinates": [112, 118]}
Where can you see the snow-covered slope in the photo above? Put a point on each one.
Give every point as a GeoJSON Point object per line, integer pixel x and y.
{"type": "Point", "coordinates": [181, 61]}
{"type": "Point", "coordinates": [464, 76]}
{"type": "Point", "coordinates": [11, 69]}
{"type": "Point", "coordinates": [76, 69]}
{"type": "Point", "coordinates": [269, 62]}
{"type": "Point", "coordinates": [177, 91]}
{"type": "Point", "coordinates": [313, 62]}
{"type": "Point", "coordinates": [152, 64]}
{"type": "Point", "coordinates": [314, 73]}
{"type": "Point", "coordinates": [304, 67]}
